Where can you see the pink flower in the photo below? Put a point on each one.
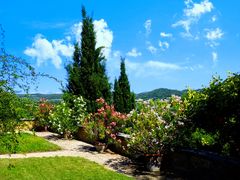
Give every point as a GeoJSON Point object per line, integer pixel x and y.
{"type": "Point", "coordinates": [113, 123]}
{"type": "Point", "coordinates": [113, 136]}
{"type": "Point", "coordinates": [100, 101]}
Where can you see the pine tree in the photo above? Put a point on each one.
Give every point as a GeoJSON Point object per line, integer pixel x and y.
{"type": "Point", "coordinates": [123, 99]}
{"type": "Point", "coordinates": [87, 75]}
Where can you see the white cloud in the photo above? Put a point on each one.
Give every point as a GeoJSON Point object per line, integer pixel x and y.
{"type": "Point", "coordinates": [192, 13]}
{"type": "Point", "coordinates": [116, 54]}
{"type": "Point", "coordinates": [214, 18]}
{"type": "Point", "coordinates": [134, 53]}
{"type": "Point", "coordinates": [197, 9]}
{"type": "Point", "coordinates": [165, 35]}
{"type": "Point", "coordinates": [152, 49]}
{"type": "Point", "coordinates": [104, 36]}
{"type": "Point", "coordinates": [77, 30]}
{"type": "Point", "coordinates": [43, 50]}
{"type": "Point", "coordinates": [186, 24]}
{"type": "Point", "coordinates": [150, 68]}
{"type": "Point", "coordinates": [214, 57]}
{"type": "Point", "coordinates": [163, 45]}
{"type": "Point", "coordinates": [161, 65]}
{"type": "Point", "coordinates": [214, 34]}
{"type": "Point", "coordinates": [148, 25]}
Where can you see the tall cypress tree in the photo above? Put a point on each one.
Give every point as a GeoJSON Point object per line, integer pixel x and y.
{"type": "Point", "coordinates": [123, 99]}
{"type": "Point", "coordinates": [87, 74]}
{"type": "Point", "coordinates": [73, 86]}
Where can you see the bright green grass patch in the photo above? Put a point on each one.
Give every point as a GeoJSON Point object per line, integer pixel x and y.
{"type": "Point", "coordinates": [30, 143]}
{"type": "Point", "coordinates": [55, 168]}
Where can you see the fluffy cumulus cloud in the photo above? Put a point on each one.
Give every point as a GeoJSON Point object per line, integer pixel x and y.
{"type": "Point", "coordinates": [43, 50]}
{"type": "Point", "coordinates": [197, 9]}
{"type": "Point", "coordinates": [163, 45]}
{"type": "Point", "coordinates": [165, 35]}
{"type": "Point", "coordinates": [148, 26]}
{"type": "Point", "coordinates": [192, 13]}
{"type": "Point", "coordinates": [134, 53]}
{"type": "Point", "coordinates": [104, 36]}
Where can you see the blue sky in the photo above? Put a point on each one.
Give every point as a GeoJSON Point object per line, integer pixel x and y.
{"type": "Point", "coordinates": [171, 44]}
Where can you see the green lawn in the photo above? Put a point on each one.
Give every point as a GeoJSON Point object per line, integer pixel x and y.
{"type": "Point", "coordinates": [55, 168]}
{"type": "Point", "coordinates": [31, 143]}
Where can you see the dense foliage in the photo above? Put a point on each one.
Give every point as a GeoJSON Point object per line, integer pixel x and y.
{"type": "Point", "coordinates": [215, 110]}
{"type": "Point", "coordinates": [123, 99]}
{"type": "Point", "coordinates": [86, 75]}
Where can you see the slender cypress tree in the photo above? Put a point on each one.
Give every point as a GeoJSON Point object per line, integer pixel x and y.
{"type": "Point", "coordinates": [73, 86]}
{"type": "Point", "coordinates": [123, 99]}
{"type": "Point", "coordinates": [87, 75]}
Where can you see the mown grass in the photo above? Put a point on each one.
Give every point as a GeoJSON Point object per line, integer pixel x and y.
{"type": "Point", "coordinates": [53, 168]}
{"type": "Point", "coordinates": [30, 143]}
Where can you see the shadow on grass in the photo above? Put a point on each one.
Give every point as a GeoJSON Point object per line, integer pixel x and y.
{"type": "Point", "coordinates": [133, 168]}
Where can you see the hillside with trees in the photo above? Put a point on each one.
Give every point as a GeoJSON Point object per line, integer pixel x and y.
{"type": "Point", "coordinates": [160, 93]}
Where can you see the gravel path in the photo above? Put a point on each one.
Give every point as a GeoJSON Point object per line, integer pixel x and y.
{"type": "Point", "coordinates": [77, 148]}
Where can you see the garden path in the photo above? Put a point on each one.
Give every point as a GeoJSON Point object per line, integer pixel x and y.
{"type": "Point", "coordinates": [77, 148]}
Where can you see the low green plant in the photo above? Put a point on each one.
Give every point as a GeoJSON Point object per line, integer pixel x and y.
{"type": "Point", "coordinates": [202, 138]}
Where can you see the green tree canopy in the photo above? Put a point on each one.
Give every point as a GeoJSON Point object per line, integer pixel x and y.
{"type": "Point", "coordinates": [123, 99]}
{"type": "Point", "coordinates": [87, 75]}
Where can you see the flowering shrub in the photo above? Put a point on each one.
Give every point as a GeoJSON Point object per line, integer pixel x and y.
{"type": "Point", "coordinates": [66, 120]}
{"type": "Point", "coordinates": [43, 112]}
{"type": "Point", "coordinates": [104, 125]}
{"type": "Point", "coordinates": [155, 125]}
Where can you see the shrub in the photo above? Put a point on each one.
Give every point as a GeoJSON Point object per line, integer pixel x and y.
{"type": "Point", "coordinates": [66, 120]}
{"type": "Point", "coordinates": [104, 125]}
{"type": "Point", "coordinates": [155, 125]}
{"type": "Point", "coordinates": [9, 119]}
{"type": "Point", "coordinates": [43, 112]}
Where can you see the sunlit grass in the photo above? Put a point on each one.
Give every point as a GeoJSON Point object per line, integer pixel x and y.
{"type": "Point", "coordinates": [53, 168]}
{"type": "Point", "coordinates": [30, 143]}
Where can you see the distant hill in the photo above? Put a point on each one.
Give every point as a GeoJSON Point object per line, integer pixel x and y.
{"type": "Point", "coordinates": [160, 93]}
{"type": "Point", "coordinates": [49, 97]}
